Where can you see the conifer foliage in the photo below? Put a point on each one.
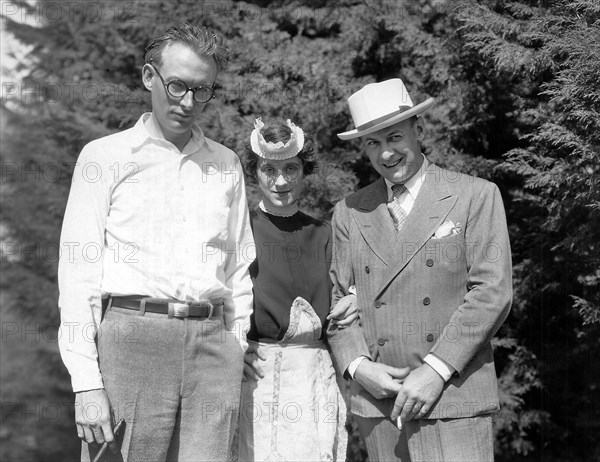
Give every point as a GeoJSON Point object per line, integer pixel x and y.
{"type": "Point", "coordinates": [517, 102]}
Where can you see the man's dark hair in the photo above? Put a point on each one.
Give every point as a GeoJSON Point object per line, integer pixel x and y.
{"type": "Point", "coordinates": [201, 39]}
{"type": "Point", "coordinates": [274, 131]}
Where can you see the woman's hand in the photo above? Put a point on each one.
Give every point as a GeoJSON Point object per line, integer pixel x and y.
{"type": "Point", "coordinates": [252, 369]}
{"type": "Point", "coordinates": [345, 312]}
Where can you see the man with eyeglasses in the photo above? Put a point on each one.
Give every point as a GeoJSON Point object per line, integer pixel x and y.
{"type": "Point", "coordinates": [155, 295]}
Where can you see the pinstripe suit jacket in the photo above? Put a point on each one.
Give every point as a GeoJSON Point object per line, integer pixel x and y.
{"type": "Point", "coordinates": [420, 295]}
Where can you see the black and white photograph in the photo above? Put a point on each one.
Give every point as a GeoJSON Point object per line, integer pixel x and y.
{"type": "Point", "coordinates": [300, 230]}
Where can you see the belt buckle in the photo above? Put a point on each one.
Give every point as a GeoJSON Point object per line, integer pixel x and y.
{"type": "Point", "coordinates": [179, 309]}
{"type": "Point", "coordinates": [182, 309]}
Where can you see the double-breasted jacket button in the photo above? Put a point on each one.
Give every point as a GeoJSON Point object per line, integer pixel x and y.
{"type": "Point", "coordinates": [378, 303]}
{"type": "Point", "coordinates": [426, 301]}
{"type": "Point", "coordinates": [430, 337]}
{"type": "Point", "coordinates": [381, 342]}
{"type": "Point", "coordinates": [367, 269]}
{"type": "Point", "coordinates": [429, 262]}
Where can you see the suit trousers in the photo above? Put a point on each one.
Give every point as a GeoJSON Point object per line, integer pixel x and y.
{"type": "Point", "coordinates": [383, 439]}
{"type": "Point", "coordinates": [175, 381]}
{"type": "Point", "coordinates": [468, 439]}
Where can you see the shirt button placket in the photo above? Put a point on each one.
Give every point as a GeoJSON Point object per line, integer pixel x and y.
{"type": "Point", "coordinates": [180, 179]}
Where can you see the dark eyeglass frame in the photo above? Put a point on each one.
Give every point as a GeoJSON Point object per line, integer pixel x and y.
{"type": "Point", "coordinates": [195, 91]}
{"type": "Point", "coordinates": [274, 175]}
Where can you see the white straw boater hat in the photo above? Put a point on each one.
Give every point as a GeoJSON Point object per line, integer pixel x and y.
{"type": "Point", "coordinates": [280, 150]}
{"type": "Point", "coordinates": [379, 105]}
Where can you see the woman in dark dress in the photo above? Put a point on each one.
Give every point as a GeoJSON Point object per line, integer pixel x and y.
{"type": "Point", "coordinates": [291, 406]}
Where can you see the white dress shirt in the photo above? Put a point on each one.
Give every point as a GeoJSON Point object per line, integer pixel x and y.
{"type": "Point", "coordinates": [407, 200]}
{"type": "Point", "coordinates": [144, 218]}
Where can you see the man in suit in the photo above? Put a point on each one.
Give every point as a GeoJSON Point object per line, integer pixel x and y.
{"type": "Point", "coordinates": [428, 252]}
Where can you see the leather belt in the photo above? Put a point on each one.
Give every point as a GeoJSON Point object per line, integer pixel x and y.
{"type": "Point", "coordinates": [170, 307]}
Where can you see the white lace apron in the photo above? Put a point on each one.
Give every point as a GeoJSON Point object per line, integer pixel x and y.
{"type": "Point", "coordinates": [296, 412]}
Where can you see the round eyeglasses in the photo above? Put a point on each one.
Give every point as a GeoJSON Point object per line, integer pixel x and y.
{"type": "Point", "coordinates": [290, 173]}
{"type": "Point", "coordinates": [178, 89]}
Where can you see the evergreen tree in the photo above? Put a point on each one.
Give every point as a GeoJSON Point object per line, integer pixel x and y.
{"type": "Point", "coordinates": [517, 102]}
{"type": "Point", "coordinates": [544, 57]}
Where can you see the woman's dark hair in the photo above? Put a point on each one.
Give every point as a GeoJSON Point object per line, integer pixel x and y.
{"type": "Point", "coordinates": [277, 130]}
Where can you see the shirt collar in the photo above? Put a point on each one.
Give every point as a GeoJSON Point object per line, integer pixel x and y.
{"type": "Point", "coordinates": [141, 137]}
{"type": "Point", "coordinates": [414, 183]}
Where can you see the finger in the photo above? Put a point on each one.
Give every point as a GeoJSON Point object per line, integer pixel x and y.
{"type": "Point", "coordinates": [345, 320]}
{"type": "Point", "coordinates": [349, 320]}
{"type": "Point", "coordinates": [398, 405]}
{"type": "Point", "coordinates": [406, 410]}
{"type": "Point", "coordinates": [109, 436]}
{"type": "Point", "coordinates": [261, 355]}
{"type": "Point", "coordinates": [352, 305]}
{"type": "Point", "coordinates": [98, 434]}
{"type": "Point", "coordinates": [252, 358]}
{"type": "Point", "coordinates": [333, 314]}
{"type": "Point", "coordinates": [249, 359]}
{"type": "Point", "coordinates": [250, 373]}
{"type": "Point", "coordinates": [416, 409]}
{"type": "Point", "coordinates": [259, 371]}
{"type": "Point", "coordinates": [399, 373]}
{"type": "Point", "coordinates": [423, 411]}
{"type": "Point", "coordinates": [80, 432]}
{"type": "Point", "coordinates": [393, 387]}
{"type": "Point", "coordinates": [89, 436]}
{"type": "Point", "coordinates": [339, 310]}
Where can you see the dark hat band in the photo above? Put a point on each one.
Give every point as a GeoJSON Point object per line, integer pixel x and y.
{"type": "Point", "coordinates": [372, 123]}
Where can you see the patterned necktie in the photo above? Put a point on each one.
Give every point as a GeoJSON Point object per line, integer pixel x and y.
{"type": "Point", "coordinates": [396, 211]}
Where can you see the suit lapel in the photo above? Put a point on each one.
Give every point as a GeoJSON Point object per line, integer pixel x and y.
{"type": "Point", "coordinates": [431, 207]}
{"type": "Point", "coordinates": [375, 222]}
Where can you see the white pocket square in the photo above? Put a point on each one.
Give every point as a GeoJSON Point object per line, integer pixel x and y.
{"type": "Point", "coordinates": [448, 228]}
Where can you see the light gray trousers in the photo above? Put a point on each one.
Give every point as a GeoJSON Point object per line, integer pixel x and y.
{"type": "Point", "coordinates": [176, 382]}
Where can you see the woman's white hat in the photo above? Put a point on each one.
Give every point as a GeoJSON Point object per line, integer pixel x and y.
{"type": "Point", "coordinates": [279, 150]}
{"type": "Point", "coordinates": [379, 105]}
